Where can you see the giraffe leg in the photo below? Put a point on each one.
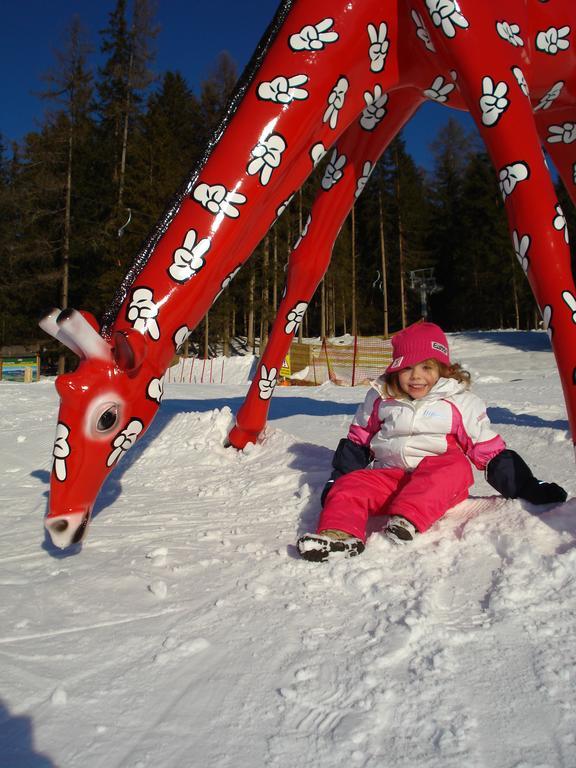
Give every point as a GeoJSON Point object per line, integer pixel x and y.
{"type": "Point", "coordinates": [557, 129]}
{"type": "Point", "coordinates": [311, 84]}
{"type": "Point", "coordinates": [494, 90]}
{"type": "Point", "coordinates": [358, 150]}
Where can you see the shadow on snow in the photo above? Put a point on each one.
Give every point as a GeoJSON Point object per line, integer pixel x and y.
{"type": "Point", "coordinates": [528, 341]}
{"type": "Point", "coordinates": [17, 742]}
{"type": "Point", "coordinates": [312, 460]}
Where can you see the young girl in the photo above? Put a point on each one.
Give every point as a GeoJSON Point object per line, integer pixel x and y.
{"type": "Point", "coordinates": [421, 427]}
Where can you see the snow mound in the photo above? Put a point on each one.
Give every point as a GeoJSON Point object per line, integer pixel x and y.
{"type": "Point", "coordinates": [188, 632]}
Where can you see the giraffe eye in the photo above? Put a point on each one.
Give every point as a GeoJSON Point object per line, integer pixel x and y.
{"type": "Point", "coordinates": [108, 419]}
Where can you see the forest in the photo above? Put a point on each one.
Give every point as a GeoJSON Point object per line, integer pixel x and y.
{"type": "Point", "coordinates": [80, 195]}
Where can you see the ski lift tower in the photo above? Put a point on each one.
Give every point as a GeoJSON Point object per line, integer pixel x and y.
{"type": "Point", "coordinates": [423, 280]}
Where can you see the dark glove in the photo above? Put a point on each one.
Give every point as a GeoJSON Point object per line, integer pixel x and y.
{"type": "Point", "coordinates": [509, 474]}
{"type": "Point", "coordinates": [348, 457]}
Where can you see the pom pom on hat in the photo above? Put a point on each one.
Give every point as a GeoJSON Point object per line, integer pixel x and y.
{"type": "Point", "coordinates": [418, 342]}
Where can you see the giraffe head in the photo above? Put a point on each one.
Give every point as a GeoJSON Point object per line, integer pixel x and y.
{"type": "Point", "coordinates": [105, 406]}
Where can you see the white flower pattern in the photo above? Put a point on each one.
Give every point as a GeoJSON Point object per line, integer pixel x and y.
{"type": "Point", "coordinates": [375, 109]}
{"type": "Point", "coordinates": [267, 382]}
{"type": "Point", "coordinates": [189, 259]}
{"type": "Point", "coordinates": [550, 96]}
{"type": "Point", "coordinates": [226, 282]}
{"type": "Point", "coordinates": [570, 301]}
{"type": "Point", "coordinates": [511, 175]}
{"type": "Point", "coordinates": [335, 102]}
{"type": "Point", "coordinates": [334, 170]}
{"type": "Point", "coordinates": [219, 200]}
{"type": "Point", "coordinates": [439, 90]}
{"type": "Point", "coordinates": [559, 222]}
{"type": "Point", "coordinates": [304, 231]}
{"type": "Point", "coordinates": [521, 248]}
{"type": "Point", "coordinates": [565, 133]}
{"type": "Point", "coordinates": [317, 152]}
{"type": "Point", "coordinates": [180, 336]}
{"type": "Point", "coordinates": [553, 40]}
{"type": "Point", "coordinates": [367, 169]}
{"type": "Point", "coordinates": [521, 80]}
{"type": "Point", "coordinates": [510, 33]}
{"type": "Point", "coordinates": [124, 441]}
{"type": "Point", "coordinates": [493, 101]}
{"type": "Point", "coordinates": [284, 90]}
{"type": "Point", "coordinates": [422, 32]}
{"type": "Point", "coordinates": [267, 156]}
{"type": "Point", "coordinates": [282, 207]}
{"type": "Point", "coordinates": [314, 37]}
{"type": "Point", "coordinates": [155, 390]}
{"type": "Point", "coordinates": [143, 311]}
{"type": "Point", "coordinates": [447, 15]}
{"type": "Point", "coordinates": [547, 320]}
{"type": "Point", "coordinates": [294, 317]}
{"type": "Point", "coordinates": [61, 451]}
{"type": "Point", "coordinates": [378, 46]}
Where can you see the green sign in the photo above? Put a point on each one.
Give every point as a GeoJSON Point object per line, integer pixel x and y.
{"type": "Point", "coordinates": [25, 368]}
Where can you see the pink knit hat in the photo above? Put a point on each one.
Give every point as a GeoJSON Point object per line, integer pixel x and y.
{"type": "Point", "coordinates": [416, 343]}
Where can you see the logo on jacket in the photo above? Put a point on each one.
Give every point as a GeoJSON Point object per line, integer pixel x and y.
{"type": "Point", "coordinates": [429, 413]}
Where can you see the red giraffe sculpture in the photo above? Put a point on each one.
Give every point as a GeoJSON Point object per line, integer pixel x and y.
{"type": "Point", "coordinates": [341, 76]}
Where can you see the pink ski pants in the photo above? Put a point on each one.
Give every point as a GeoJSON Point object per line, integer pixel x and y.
{"type": "Point", "coordinates": [421, 496]}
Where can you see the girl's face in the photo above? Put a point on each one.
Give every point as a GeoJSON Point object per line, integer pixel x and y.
{"type": "Point", "coordinates": [418, 380]}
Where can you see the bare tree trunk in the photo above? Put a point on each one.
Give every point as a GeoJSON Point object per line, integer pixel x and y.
{"type": "Point", "coordinates": [330, 309]}
{"type": "Point", "coordinates": [226, 331]}
{"type": "Point", "coordinates": [265, 312]}
{"type": "Point", "coordinates": [251, 340]}
{"type": "Point", "coordinates": [384, 269]}
{"type": "Point", "coordinates": [323, 309]}
{"type": "Point", "coordinates": [515, 294]}
{"type": "Point", "coordinates": [401, 245]}
{"type": "Point", "coordinates": [301, 326]}
{"type": "Point", "coordinates": [402, 280]}
{"type": "Point", "coordinates": [126, 120]}
{"type": "Point", "coordinates": [353, 275]}
{"type": "Point", "coordinates": [206, 332]}
{"type": "Point", "coordinates": [275, 271]}
{"type": "Point", "coordinates": [401, 249]}
{"type": "Point", "coordinates": [66, 242]}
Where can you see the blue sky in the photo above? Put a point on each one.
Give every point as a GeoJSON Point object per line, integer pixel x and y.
{"type": "Point", "coordinates": [193, 33]}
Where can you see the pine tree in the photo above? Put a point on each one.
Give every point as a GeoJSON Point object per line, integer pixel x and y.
{"type": "Point", "coordinates": [486, 280]}
{"type": "Point", "coordinates": [124, 80]}
{"type": "Point", "coordinates": [451, 149]}
{"type": "Point", "coordinates": [70, 89]}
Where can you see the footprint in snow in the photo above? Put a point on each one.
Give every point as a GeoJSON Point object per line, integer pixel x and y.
{"type": "Point", "coordinates": [158, 556]}
{"type": "Point", "coordinates": [174, 651]}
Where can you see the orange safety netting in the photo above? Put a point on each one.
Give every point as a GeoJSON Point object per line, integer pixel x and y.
{"type": "Point", "coordinates": [196, 370]}
{"type": "Point", "coordinates": [348, 362]}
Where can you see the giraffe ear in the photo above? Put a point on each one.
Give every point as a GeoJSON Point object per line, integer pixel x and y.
{"type": "Point", "coordinates": [129, 350]}
{"type": "Point", "coordinates": [78, 331]}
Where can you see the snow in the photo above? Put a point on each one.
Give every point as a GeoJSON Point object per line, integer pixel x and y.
{"type": "Point", "coordinates": [187, 632]}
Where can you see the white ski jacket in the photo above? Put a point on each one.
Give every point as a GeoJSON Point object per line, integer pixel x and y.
{"type": "Point", "coordinates": [402, 432]}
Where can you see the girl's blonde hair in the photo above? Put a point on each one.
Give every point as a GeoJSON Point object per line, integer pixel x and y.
{"type": "Point", "coordinates": [453, 371]}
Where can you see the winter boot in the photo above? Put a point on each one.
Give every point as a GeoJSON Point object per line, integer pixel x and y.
{"type": "Point", "coordinates": [317, 547]}
{"type": "Point", "coordinates": [399, 530]}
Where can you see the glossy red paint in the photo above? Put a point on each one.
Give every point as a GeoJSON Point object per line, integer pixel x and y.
{"type": "Point", "coordinates": [337, 77]}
